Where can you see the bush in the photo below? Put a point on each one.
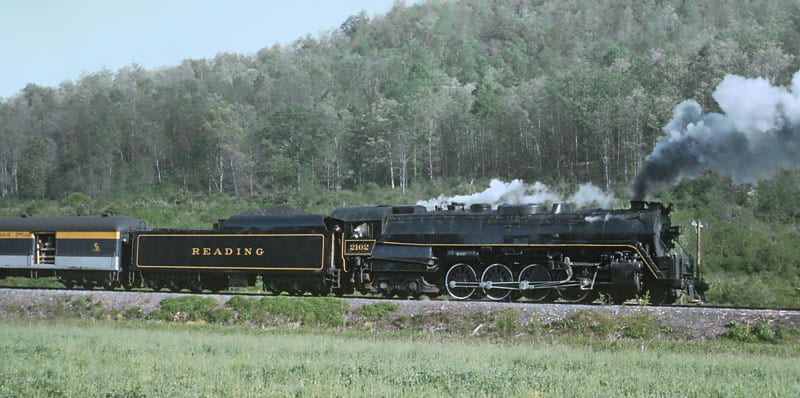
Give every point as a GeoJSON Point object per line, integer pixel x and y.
{"type": "Point", "coordinates": [78, 202]}
{"type": "Point", "coordinates": [754, 290]}
{"type": "Point", "coordinates": [589, 322]}
{"type": "Point", "coordinates": [507, 322]}
{"type": "Point", "coordinates": [760, 332]}
{"type": "Point", "coordinates": [310, 311]}
{"type": "Point", "coordinates": [185, 308]}
{"type": "Point", "coordinates": [640, 326]}
{"type": "Point", "coordinates": [597, 324]}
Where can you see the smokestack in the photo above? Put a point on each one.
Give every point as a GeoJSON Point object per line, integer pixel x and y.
{"type": "Point", "coordinates": [757, 133]}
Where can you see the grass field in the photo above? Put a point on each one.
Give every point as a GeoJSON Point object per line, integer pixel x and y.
{"type": "Point", "coordinates": [134, 358]}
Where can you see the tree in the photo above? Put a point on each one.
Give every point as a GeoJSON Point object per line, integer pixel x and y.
{"type": "Point", "coordinates": [226, 135]}
{"type": "Point", "coordinates": [289, 140]}
{"type": "Point", "coordinates": [33, 169]}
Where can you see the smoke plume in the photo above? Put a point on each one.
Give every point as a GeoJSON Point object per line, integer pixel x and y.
{"type": "Point", "coordinates": [757, 134]}
{"type": "Point", "coordinates": [517, 192]}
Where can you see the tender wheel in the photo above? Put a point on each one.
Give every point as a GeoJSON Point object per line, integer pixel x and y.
{"type": "Point", "coordinates": [195, 287]}
{"type": "Point", "coordinates": [215, 284]}
{"type": "Point", "coordinates": [174, 286]}
{"type": "Point", "coordinates": [460, 273]}
{"type": "Point", "coordinates": [494, 274]}
{"type": "Point", "coordinates": [536, 273]}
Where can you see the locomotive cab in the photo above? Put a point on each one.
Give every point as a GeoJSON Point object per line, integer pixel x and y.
{"type": "Point", "coordinates": [361, 229]}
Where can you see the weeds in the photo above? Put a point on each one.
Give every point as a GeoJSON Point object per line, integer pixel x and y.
{"type": "Point", "coordinates": [377, 310]}
{"type": "Point", "coordinates": [275, 311]}
{"type": "Point", "coordinates": [760, 332]}
{"type": "Point", "coordinates": [600, 325]}
{"type": "Point", "coordinates": [287, 313]}
{"type": "Point", "coordinates": [185, 308]}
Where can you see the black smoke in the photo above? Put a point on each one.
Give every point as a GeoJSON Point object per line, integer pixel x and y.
{"type": "Point", "coordinates": [757, 134]}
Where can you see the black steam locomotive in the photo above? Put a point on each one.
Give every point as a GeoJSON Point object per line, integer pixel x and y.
{"type": "Point", "coordinates": [511, 252]}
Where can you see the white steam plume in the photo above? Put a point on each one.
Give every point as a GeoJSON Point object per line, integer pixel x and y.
{"type": "Point", "coordinates": [758, 133]}
{"type": "Point", "coordinates": [517, 192]}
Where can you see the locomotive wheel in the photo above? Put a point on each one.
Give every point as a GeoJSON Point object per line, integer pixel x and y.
{"type": "Point", "coordinates": [574, 294]}
{"type": "Point", "coordinates": [497, 273]}
{"type": "Point", "coordinates": [460, 273]}
{"type": "Point", "coordinates": [536, 273]}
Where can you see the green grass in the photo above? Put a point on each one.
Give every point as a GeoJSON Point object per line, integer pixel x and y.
{"type": "Point", "coordinates": [17, 281]}
{"type": "Point", "coordinates": [45, 358]}
{"type": "Point", "coordinates": [377, 310]}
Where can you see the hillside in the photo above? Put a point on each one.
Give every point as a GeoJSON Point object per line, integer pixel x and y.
{"type": "Point", "coordinates": [545, 90]}
{"type": "Point", "coordinates": [434, 97]}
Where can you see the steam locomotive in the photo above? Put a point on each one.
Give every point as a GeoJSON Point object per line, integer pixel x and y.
{"type": "Point", "coordinates": [527, 252]}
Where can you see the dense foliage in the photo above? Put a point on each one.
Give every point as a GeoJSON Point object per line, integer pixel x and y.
{"type": "Point", "coordinates": [546, 90]}
{"type": "Point", "coordinates": [749, 244]}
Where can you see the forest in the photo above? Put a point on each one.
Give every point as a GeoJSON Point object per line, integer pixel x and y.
{"type": "Point", "coordinates": [428, 97]}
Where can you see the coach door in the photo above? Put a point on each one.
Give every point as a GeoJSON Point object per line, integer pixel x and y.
{"type": "Point", "coordinates": [45, 249]}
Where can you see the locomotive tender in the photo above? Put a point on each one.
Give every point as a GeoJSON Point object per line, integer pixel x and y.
{"type": "Point", "coordinates": [507, 253]}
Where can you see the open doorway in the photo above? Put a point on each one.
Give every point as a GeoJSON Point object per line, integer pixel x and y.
{"type": "Point", "coordinates": [45, 249]}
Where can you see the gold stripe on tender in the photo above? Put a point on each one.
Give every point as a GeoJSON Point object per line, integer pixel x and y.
{"type": "Point", "coordinates": [87, 235]}
{"type": "Point", "coordinates": [15, 235]}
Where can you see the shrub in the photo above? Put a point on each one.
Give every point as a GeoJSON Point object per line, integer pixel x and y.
{"type": "Point", "coordinates": [507, 322]}
{"type": "Point", "coordinates": [312, 311]}
{"type": "Point", "coordinates": [640, 326]}
{"type": "Point", "coordinates": [185, 308]}
{"type": "Point", "coordinates": [739, 332]}
{"type": "Point", "coordinates": [78, 202]}
{"type": "Point", "coordinates": [760, 332]}
{"type": "Point", "coordinates": [588, 322]}
{"type": "Point", "coordinates": [763, 332]}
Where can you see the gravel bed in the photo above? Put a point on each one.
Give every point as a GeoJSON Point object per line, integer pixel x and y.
{"type": "Point", "coordinates": [699, 322]}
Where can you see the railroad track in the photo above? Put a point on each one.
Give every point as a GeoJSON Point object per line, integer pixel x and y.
{"type": "Point", "coordinates": [376, 298]}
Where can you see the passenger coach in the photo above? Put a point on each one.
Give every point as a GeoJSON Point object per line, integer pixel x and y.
{"type": "Point", "coordinates": [88, 251]}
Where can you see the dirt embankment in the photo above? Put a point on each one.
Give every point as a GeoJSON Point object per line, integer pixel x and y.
{"type": "Point", "coordinates": [696, 322]}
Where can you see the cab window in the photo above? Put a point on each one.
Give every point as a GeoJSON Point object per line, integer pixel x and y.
{"type": "Point", "coordinates": [362, 231]}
